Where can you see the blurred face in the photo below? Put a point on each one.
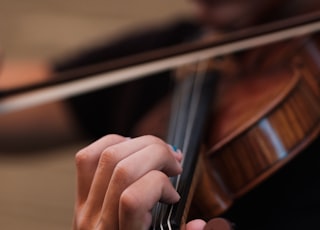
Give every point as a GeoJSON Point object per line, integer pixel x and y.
{"type": "Point", "coordinates": [233, 14]}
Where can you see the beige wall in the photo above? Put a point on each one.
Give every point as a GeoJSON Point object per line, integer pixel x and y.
{"type": "Point", "coordinates": [45, 28]}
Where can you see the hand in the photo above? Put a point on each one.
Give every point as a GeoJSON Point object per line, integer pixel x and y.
{"type": "Point", "coordinates": [17, 73]}
{"type": "Point", "coordinates": [119, 180]}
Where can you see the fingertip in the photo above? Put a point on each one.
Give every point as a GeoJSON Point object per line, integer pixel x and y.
{"type": "Point", "coordinates": [196, 224]}
{"type": "Point", "coordinates": [175, 197]}
{"type": "Point", "coordinates": [177, 152]}
{"type": "Point", "coordinates": [174, 148]}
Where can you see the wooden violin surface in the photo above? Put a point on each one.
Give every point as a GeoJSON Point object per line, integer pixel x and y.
{"type": "Point", "coordinates": [260, 123]}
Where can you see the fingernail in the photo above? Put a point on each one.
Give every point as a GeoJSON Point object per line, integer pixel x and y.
{"type": "Point", "coordinates": [175, 149]}
{"type": "Point", "coordinates": [178, 154]}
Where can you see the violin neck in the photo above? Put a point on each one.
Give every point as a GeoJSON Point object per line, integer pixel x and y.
{"type": "Point", "coordinates": [190, 109]}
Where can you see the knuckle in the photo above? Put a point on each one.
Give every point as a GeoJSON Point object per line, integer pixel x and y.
{"type": "Point", "coordinates": [159, 176]}
{"type": "Point", "coordinates": [82, 157]}
{"type": "Point", "coordinates": [86, 155]}
{"type": "Point", "coordinates": [82, 223]}
{"type": "Point", "coordinates": [153, 139]}
{"type": "Point", "coordinates": [159, 148]}
{"type": "Point", "coordinates": [108, 157]}
{"type": "Point", "coordinates": [121, 172]}
{"type": "Point", "coordinates": [129, 202]}
{"type": "Point", "coordinates": [161, 152]}
{"type": "Point", "coordinates": [112, 137]}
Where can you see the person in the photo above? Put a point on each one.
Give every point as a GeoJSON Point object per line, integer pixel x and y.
{"type": "Point", "coordinates": [288, 200]}
{"type": "Point", "coordinates": [103, 202]}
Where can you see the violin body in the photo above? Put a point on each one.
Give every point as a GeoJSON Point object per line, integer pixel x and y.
{"type": "Point", "coordinates": [276, 117]}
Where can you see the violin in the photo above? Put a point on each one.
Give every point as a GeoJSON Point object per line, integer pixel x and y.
{"type": "Point", "coordinates": [262, 118]}
{"type": "Point", "coordinates": [241, 142]}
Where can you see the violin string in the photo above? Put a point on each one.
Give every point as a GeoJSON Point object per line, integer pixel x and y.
{"type": "Point", "coordinates": [198, 80]}
{"type": "Point", "coordinates": [185, 102]}
{"type": "Point", "coordinates": [180, 104]}
{"type": "Point", "coordinates": [177, 105]}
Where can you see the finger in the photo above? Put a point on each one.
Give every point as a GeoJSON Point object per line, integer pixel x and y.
{"type": "Point", "coordinates": [111, 157]}
{"type": "Point", "coordinates": [135, 166]}
{"type": "Point", "coordinates": [137, 201]}
{"type": "Point", "coordinates": [87, 161]}
{"type": "Point", "coordinates": [196, 225]}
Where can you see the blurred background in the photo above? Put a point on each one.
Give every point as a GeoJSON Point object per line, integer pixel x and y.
{"type": "Point", "coordinates": [37, 186]}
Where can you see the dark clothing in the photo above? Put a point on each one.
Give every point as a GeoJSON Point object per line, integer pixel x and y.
{"type": "Point", "coordinates": [288, 200]}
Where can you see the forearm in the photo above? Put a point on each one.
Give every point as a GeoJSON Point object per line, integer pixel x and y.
{"type": "Point", "coordinates": [43, 125]}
